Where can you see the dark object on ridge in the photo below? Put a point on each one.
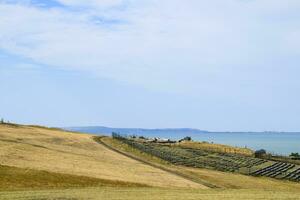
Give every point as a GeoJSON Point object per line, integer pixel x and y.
{"type": "Point", "coordinates": [187, 138]}
{"type": "Point", "coordinates": [260, 153]}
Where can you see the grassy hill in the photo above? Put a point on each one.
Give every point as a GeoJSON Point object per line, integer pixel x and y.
{"type": "Point", "coordinates": [45, 163]}
{"type": "Point", "coordinates": [14, 178]}
{"type": "Point", "coordinates": [76, 154]}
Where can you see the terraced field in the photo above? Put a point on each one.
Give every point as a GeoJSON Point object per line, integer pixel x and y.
{"type": "Point", "coordinates": [293, 175]}
{"type": "Point", "coordinates": [280, 170]}
{"type": "Point", "coordinates": [225, 162]}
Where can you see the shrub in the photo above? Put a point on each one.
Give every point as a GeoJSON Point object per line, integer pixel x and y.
{"type": "Point", "coordinates": [296, 155]}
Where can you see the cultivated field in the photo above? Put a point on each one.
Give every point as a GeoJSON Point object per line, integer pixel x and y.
{"type": "Point", "coordinates": [40, 163]}
{"type": "Point", "coordinates": [223, 180]}
{"type": "Point", "coordinates": [190, 156]}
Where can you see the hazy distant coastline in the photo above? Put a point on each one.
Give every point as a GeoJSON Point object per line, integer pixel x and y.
{"type": "Point", "coordinates": [109, 130]}
{"type": "Point", "coordinates": [282, 143]}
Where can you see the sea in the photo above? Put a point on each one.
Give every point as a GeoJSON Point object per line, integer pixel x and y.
{"type": "Point", "coordinates": [273, 142]}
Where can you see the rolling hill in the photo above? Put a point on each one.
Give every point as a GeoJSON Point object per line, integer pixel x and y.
{"type": "Point", "coordinates": [76, 154]}
{"type": "Point", "coordinates": [45, 163]}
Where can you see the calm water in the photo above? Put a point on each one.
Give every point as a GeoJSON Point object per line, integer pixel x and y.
{"type": "Point", "coordinates": [278, 143]}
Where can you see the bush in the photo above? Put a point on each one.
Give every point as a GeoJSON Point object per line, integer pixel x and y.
{"type": "Point", "coordinates": [296, 155]}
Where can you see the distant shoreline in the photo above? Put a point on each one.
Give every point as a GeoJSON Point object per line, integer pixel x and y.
{"type": "Point", "coordinates": [188, 130]}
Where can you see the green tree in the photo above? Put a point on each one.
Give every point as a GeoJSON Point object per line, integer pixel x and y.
{"type": "Point", "coordinates": [295, 155]}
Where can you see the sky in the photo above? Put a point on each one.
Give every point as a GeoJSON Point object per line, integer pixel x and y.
{"type": "Point", "coordinates": [219, 65]}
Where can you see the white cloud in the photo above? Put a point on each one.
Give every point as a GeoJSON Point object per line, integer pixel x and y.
{"type": "Point", "coordinates": [168, 45]}
{"type": "Point", "coordinates": [92, 3]}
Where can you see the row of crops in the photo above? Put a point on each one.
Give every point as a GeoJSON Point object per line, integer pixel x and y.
{"type": "Point", "coordinates": [194, 157]}
{"type": "Point", "coordinates": [280, 170]}
{"type": "Point", "coordinates": [198, 158]}
{"type": "Point", "coordinates": [293, 176]}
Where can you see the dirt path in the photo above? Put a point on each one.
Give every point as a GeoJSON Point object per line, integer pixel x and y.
{"type": "Point", "coordinates": [187, 177]}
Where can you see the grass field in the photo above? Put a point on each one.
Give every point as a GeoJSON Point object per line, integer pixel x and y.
{"type": "Point", "coordinates": [148, 194]}
{"type": "Point", "coordinates": [38, 163]}
{"type": "Point", "coordinates": [76, 154]}
{"type": "Point", "coordinates": [14, 178]}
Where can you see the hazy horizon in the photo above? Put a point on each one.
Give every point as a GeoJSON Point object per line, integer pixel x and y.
{"type": "Point", "coordinates": [178, 128]}
{"type": "Point", "coordinates": [211, 65]}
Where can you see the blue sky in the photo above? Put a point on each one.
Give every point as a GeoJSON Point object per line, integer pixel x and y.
{"type": "Point", "coordinates": [215, 65]}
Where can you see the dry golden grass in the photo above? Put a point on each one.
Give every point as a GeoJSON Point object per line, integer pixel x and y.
{"type": "Point", "coordinates": [238, 181]}
{"type": "Point", "coordinates": [220, 148]}
{"type": "Point", "coordinates": [14, 178]}
{"type": "Point", "coordinates": [149, 194]}
{"type": "Point", "coordinates": [76, 160]}
{"type": "Point", "coordinates": [76, 154]}
{"type": "Point", "coordinates": [221, 179]}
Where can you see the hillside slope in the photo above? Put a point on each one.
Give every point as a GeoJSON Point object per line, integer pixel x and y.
{"type": "Point", "coordinates": [58, 151]}
{"type": "Point", "coordinates": [225, 180]}
{"type": "Point", "coordinates": [42, 163]}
